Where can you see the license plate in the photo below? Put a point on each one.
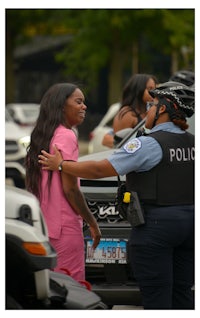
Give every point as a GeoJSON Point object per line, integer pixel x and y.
{"type": "Point", "coordinates": [109, 251]}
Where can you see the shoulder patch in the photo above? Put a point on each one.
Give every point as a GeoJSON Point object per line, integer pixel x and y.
{"type": "Point", "coordinates": [132, 146]}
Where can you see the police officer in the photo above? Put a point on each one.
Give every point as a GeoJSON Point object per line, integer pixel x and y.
{"type": "Point", "coordinates": [160, 168]}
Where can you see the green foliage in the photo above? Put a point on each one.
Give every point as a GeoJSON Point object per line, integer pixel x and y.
{"type": "Point", "coordinates": [97, 33]}
{"type": "Point", "coordinates": [180, 25]}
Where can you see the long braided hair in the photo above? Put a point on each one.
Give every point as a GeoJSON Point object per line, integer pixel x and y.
{"type": "Point", "coordinates": [176, 115]}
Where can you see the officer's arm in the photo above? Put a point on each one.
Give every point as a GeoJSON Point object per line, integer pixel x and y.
{"type": "Point", "coordinates": [85, 169]}
{"type": "Point", "coordinates": [89, 169]}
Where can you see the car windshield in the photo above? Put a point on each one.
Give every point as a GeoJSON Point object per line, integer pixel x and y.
{"type": "Point", "coordinates": [24, 113]}
{"type": "Point", "coordinates": [30, 112]}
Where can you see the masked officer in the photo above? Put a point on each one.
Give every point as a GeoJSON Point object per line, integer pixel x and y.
{"type": "Point", "coordinates": [160, 168]}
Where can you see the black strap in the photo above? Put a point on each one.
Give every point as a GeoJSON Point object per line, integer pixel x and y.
{"type": "Point", "coordinates": [119, 181]}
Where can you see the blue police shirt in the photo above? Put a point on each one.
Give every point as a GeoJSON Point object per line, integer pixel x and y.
{"type": "Point", "coordinates": [142, 153]}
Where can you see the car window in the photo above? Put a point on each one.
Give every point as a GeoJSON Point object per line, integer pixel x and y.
{"type": "Point", "coordinates": [31, 112]}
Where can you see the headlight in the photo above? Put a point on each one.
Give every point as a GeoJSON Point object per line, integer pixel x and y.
{"type": "Point", "coordinates": [25, 141]}
{"type": "Point", "coordinates": [25, 214]}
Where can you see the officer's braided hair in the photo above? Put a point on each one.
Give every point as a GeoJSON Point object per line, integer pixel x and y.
{"type": "Point", "coordinates": [176, 115]}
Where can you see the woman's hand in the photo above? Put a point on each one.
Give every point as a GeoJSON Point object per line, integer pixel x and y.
{"type": "Point", "coordinates": [96, 235]}
{"type": "Point", "coordinates": [48, 161]}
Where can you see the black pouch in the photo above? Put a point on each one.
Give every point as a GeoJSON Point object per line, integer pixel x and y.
{"type": "Point", "coordinates": [135, 213]}
{"type": "Point", "coordinates": [132, 210]}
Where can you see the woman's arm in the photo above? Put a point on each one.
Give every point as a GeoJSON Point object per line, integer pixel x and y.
{"type": "Point", "coordinates": [79, 205]}
{"type": "Point", "coordinates": [108, 139]}
{"type": "Point", "coordinates": [85, 169]}
{"type": "Point", "coordinates": [124, 119]}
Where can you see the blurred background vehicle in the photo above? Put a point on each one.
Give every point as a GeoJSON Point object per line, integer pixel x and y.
{"type": "Point", "coordinates": [16, 141]}
{"type": "Point", "coordinates": [24, 114]}
{"type": "Point", "coordinates": [96, 135]}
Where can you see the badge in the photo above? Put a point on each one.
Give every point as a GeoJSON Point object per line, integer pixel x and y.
{"type": "Point", "coordinates": [132, 145]}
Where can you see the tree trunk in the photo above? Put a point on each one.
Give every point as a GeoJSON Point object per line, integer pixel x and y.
{"type": "Point", "coordinates": [174, 63]}
{"type": "Point", "coordinates": [115, 77]}
{"type": "Point", "coordinates": [10, 77]}
{"type": "Point", "coordinates": [135, 60]}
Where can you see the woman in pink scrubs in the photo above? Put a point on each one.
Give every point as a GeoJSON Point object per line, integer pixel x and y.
{"type": "Point", "coordinates": [62, 203]}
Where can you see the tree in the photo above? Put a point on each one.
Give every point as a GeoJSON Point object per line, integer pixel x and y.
{"type": "Point", "coordinates": [106, 38]}
{"type": "Point", "coordinates": [22, 25]}
{"type": "Point", "coordinates": [179, 24]}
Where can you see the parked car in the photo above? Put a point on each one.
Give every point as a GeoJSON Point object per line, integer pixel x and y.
{"type": "Point", "coordinates": [96, 135]}
{"type": "Point", "coordinates": [24, 114]}
{"type": "Point", "coordinates": [16, 141]}
{"type": "Point", "coordinates": [108, 269]}
{"type": "Point", "coordinates": [30, 282]}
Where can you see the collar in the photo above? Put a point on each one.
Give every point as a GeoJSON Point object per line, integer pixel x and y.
{"type": "Point", "coordinates": [168, 126]}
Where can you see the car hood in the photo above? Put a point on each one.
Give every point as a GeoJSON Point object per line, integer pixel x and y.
{"type": "Point", "coordinates": [97, 155]}
{"type": "Point", "coordinates": [13, 131]}
{"type": "Point", "coordinates": [15, 198]}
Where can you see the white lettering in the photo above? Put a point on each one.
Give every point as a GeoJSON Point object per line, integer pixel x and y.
{"type": "Point", "coordinates": [178, 154]}
{"type": "Point", "coordinates": [103, 212]}
{"type": "Point", "coordinates": [186, 156]}
{"type": "Point", "coordinates": [192, 153]}
{"type": "Point", "coordinates": [172, 154]}
{"type": "Point", "coordinates": [181, 154]}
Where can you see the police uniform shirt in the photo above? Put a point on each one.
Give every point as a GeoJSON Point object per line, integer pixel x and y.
{"type": "Point", "coordinates": [142, 153]}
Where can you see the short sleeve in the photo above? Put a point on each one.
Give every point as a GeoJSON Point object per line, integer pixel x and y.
{"type": "Point", "coordinates": [66, 142]}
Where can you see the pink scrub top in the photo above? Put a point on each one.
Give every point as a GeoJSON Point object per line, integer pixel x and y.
{"type": "Point", "coordinates": [58, 213]}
